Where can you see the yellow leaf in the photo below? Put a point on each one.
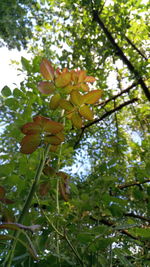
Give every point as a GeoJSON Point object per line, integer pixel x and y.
{"type": "Point", "coordinates": [86, 112]}
{"type": "Point", "coordinates": [76, 98]}
{"type": "Point", "coordinates": [90, 79]}
{"type": "Point", "coordinates": [65, 104]}
{"type": "Point", "coordinates": [63, 79]}
{"type": "Point", "coordinates": [84, 87]}
{"type": "Point", "coordinates": [92, 97]}
{"type": "Point", "coordinates": [76, 120]}
{"type": "Point", "coordinates": [54, 102]}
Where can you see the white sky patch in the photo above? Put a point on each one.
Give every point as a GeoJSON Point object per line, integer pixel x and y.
{"type": "Point", "coordinates": [10, 76]}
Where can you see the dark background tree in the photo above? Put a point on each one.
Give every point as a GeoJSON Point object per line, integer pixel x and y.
{"type": "Point", "coordinates": [16, 24]}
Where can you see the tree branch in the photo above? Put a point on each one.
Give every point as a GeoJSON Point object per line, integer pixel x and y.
{"type": "Point", "coordinates": [111, 112]}
{"type": "Point", "coordinates": [121, 54]}
{"type": "Point", "coordinates": [133, 45]}
{"type": "Point", "coordinates": [110, 223]}
{"type": "Point", "coordinates": [116, 96]}
{"type": "Point", "coordinates": [122, 186]}
{"type": "Point", "coordinates": [104, 116]}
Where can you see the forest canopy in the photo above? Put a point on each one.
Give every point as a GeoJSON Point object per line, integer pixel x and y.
{"type": "Point", "coordinates": [75, 159]}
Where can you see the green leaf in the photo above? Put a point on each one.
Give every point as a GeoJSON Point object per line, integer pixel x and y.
{"type": "Point", "coordinates": [6, 91]}
{"type": "Point", "coordinates": [122, 258]}
{"type": "Point", "coordinates": [17, 93]}
{"type": "Point", "coordinates": [102, 243]}
{"type": "Point", "coordinates": [12, 103]}
{"type": "Point", "coordinates": [26, 64]}
{"type": "Point", "coordinates": [85, 237]}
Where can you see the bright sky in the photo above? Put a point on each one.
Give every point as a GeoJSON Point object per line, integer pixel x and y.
{"type": "Point", "coordinates": [9, 75]}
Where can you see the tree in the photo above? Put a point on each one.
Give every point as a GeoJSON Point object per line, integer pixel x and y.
{"type": "Point", "coordinates": [16, 23]}
{"type": "Point", "coordinates": [104, 219]}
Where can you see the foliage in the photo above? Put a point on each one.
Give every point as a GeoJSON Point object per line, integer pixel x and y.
{"type": "Point", "coordinates": [16, 22]}
{"type": "Point", "coordinates": [96, 216]}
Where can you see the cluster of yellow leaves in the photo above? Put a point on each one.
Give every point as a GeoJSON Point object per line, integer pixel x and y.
{"type": "Point", "coordinates": [58, 83]}
{"type": "Point", "coordinates": [70, 83]}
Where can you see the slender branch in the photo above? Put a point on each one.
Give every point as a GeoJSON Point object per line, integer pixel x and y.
{"type": "Point", "coordinates": [74, 250]}
{"type": "Point", "coordinates": [121, 54]}
{"type": "Point", "coordinates": [122, 186]}
{"type": "Point", "coordinates": [134, 46]}
{"type": "Point", "coordinates": [110, 223]}
{"type": "Point", "coordinates": [104, 116]}
{"type": "Point", "coordinates": [116, 96]}
{"type": "Point", "coordinates": [111, 112]}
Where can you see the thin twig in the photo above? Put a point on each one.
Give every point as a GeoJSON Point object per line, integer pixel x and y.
{"type": "Point", "coordinates": [116, 96]}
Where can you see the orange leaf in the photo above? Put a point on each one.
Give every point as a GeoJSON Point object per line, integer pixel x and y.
{"type": "Point", "coordinates": [90, 79]}
{"type": "Point", "coordinates": [54, 102]}
{"type": "Point", "coordinates": [84, 87]}
{"type": "Point", "coordinates": [63, 185]}
{"type": "Point", "coordinates": [49, 171]}
{"type": "Point", "coordinates": [61, 136]}
{"type": "Point", "coordinates": [76, 98]}
{"type": "Point", "coordinates": [47, 70]}
{"type": "Point", "coordinates": [46, 87]}
{"type": "Point", "coordinates": [92, 97]}
{"type": "Point", "coordinates": [65, 104]}
{"type": "Point", "coordinates": [31, 128]}
{"type": "Point", "coordinates": [48, 125]}
{"type": "Point", "coordinates": [76, 120]}
{"type": "Point", "coordinates": [74, 76]}
{"type": "Point", "coordinates": [63, 79]}
{"type": "Point", "coordinates": [63, 175]}
{"type": "Point", "coordinates": [44, 189]}
{"type": "Point", "coordinates": [53, 148]}
{"type": "Point", "coordinates": [82, 75]}
{"type": "Point", "coordinates": [86, 112]}
{"type": "Point", "coordinates": [30, 143]}
{"type": "Point", "coordinates": [63, 192]}
{"type": "Point", "coordinates": [65, 70]}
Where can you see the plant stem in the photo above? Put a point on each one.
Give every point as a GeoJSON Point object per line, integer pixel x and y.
{"type": "Point", "coordinates": [74, 250]}
{"type": "Point", "coordinates": [66, 238]}
{"type": "Point", "coordinates": [27, 203]}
